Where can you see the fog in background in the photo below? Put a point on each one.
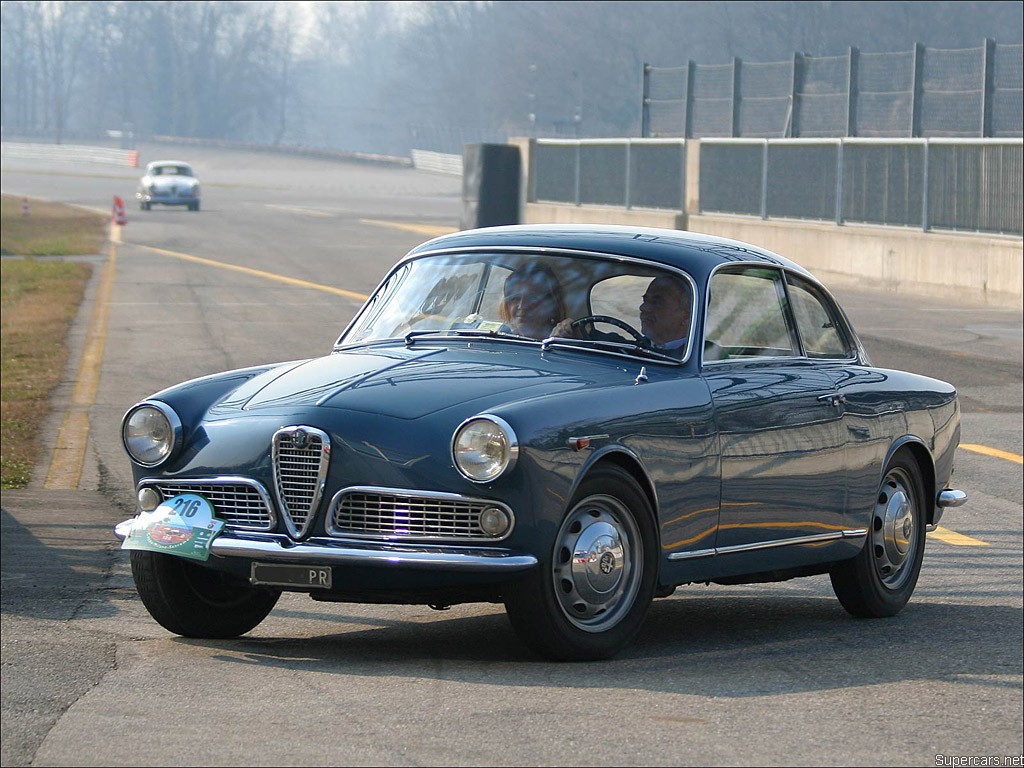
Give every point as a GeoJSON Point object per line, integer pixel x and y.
{"type": "Point", "coordinates": [387, 77]}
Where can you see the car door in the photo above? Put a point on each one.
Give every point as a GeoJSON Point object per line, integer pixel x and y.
{"type": "Point", "coordinates": [828, 339]}
{"type": "Point", "coordinates": [778, 416]}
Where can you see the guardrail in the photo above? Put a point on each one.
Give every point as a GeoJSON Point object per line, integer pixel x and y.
{"type": "Point", "coordinates": [79, 153]}
{"type": "Point", "coordinates": [437, 162]}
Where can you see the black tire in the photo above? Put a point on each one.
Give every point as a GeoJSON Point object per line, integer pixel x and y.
{"type": "Point", "coordinates": [189, 600]}
{"type": "Point", "coordinates": [881, 578]}
{"type": "Point", "coordinates": [575, 609]}
{"type": "Point", "coordinates": [193, 207]}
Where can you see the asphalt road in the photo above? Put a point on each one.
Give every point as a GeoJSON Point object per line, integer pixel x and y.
{"type": "Point", "coordinates": [772, 674]}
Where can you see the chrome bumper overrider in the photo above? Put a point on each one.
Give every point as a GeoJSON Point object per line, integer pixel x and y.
{"type": "Point", "coordinates": [272, 547]}
{"type": "Point", "coordinates": [950, 497]}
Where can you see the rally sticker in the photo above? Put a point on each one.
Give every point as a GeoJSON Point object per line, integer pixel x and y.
{"type": "Point", "coordinates": [183, 525]}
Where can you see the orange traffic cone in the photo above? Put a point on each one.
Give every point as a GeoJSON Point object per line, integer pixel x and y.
{"type": "Point", "coordinates": [119, 216]}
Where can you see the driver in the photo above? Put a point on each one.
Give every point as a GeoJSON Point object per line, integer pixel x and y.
{"type": "Point", "coordinates": [532, 301]}
{"type": "Point", "coordinates": [665, 312]}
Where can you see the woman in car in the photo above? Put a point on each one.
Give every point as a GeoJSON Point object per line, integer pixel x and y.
{"type": "Point", "coordinates": [533, 302]}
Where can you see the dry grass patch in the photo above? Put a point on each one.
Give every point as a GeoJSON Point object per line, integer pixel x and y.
{"type": "Point", "coordinates": [39, 302]}
{"type": "Point", "coordinates": [50, 229]}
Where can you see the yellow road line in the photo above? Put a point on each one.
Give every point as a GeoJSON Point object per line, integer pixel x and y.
{"type": "Point", "coordinates": [1016, 458]}
{"type": "Point", "coordinates": [303, 211]}
{"type": "Point", "coordinates": [956, 539]}
{"type": "Point", "coordinates": [256, 273]}
{"type": "Point", "coordinates": [431, 230]}
{"type": "Point", "coordinates": [69, 452]}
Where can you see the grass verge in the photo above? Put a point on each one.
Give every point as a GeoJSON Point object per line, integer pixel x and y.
{"type": "Point", "coordinates": [50, 229]}
{"type": "Point", "coordinates": [39, 300]}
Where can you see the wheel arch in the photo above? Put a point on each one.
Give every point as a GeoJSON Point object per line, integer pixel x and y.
{"type": "Point", "coordinates": [628, 462]}
{"type": "Point", "coordinates": [925, 462]}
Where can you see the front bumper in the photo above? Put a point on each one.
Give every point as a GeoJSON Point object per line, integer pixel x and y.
{"type": "Point", "coordinates": [166, 198]}
{"type": "Point", "coordinates": [277, 548]}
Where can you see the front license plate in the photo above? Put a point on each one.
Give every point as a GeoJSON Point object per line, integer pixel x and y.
{"type": "Point", "coordinates": [272, 574]}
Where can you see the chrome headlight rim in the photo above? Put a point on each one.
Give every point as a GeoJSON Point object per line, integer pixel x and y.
{"type": "Point", "coordinates": [511, 443]}
{"type": "Point", "coordinates": [173, 422]}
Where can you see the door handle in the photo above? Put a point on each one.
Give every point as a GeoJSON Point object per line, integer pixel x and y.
{"type": "Point", "coordinates": [834, 400]}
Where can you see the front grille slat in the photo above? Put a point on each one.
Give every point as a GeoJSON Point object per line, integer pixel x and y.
{"type": "Point", "coordinates": [240, 505]}
{"type": "Point", "coordinates": [301, 456]}
{"type": "Point", "coordinates": [391, 515]}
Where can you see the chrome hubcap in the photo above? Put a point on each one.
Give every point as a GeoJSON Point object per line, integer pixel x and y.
{"type": "Point", "coordinates": [597, 563]}
{"type": "Point", "coordinates": [894, 529]}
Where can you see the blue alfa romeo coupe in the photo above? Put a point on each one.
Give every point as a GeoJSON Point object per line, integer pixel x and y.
{"type": "Point", "coordinates": [568, 420]}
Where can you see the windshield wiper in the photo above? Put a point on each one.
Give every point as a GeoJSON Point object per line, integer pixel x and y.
{"type": "Point", "coordinates": [627, 347]}
{"type": "Point", "coordinates": [473, 332]}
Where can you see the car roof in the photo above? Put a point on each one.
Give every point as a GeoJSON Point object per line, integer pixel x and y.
{"type": "Point", "coordinates": [161, 163]}
{"type": "Point", "coordinates": [694, 252]}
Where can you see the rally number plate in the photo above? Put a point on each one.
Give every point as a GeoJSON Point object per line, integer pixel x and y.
{"type": "Point", "coordinates": [275, 575]}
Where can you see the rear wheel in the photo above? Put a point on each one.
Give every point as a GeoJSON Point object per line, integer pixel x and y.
{"type": "Point", "coordinates": [190, 600]}
{"type": "Point", "coordinates": [589, 597]}
{"type": "Point", "coordinates": [881, 578]}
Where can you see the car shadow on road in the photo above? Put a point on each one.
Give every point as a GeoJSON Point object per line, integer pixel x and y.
{"type": "Point", "coordinates": [722, 646]}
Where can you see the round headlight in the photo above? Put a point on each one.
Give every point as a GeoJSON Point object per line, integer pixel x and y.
{"type": "Point", "coordinates": [150, 432]}
{"type": "Point", "coordinates": [484, 448]}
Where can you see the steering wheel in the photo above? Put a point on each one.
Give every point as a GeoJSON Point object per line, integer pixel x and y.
{"type": "Point", "coordinates": [578, 325]}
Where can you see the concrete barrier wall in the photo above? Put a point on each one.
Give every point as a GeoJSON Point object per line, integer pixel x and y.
{"type": "Point", "coordinates": [974, 268]}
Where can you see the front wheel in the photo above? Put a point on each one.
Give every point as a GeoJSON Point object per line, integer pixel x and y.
{"type": "Point", "coordinates": [881, 578]}
{"type": "Point", "coordinates": [190, 600]}
{"type": "Point", "coordinates": [589, 597]}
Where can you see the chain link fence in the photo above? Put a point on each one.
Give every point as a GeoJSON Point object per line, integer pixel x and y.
{"type": "Point", "coordinates": [924, 92]}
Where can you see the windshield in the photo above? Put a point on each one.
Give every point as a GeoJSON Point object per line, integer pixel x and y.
{"type": "Point", "coordinates": [533, 297]}
{"type": "Point", "coordinates": [170, 170]}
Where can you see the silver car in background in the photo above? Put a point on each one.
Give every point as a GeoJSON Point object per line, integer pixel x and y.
{"type": "Point", "coordinates": [168, 182]}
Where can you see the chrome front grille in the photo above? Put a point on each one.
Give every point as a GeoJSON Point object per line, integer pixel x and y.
{"type": "Point", "coordinates": [386, 513]}
{"type": "Point", "coordinates": [301, 456]}
{"type": "Point", "coordinates": [241, 503]}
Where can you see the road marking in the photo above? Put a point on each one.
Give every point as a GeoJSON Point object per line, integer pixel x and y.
{"type": "Point", "coordinates": [956, 539]}
{"type": "Point", "coordinates": [1016, 458]}
{"type": "Point", "coordinates": [256, 273]}
{"type": "Point", "coordinates": [303, 211]}
{"type": "Point", "coordinates": [69, 451]}
{"type": "Point", "coordinates": [431, 230]}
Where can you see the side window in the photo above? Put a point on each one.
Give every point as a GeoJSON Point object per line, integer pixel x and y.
{"type": "Point", "coordinates": [816, 322]}
{"type": "Point", "coordinates": [747, 316]}
{"type": "Point", "coordinates": [620, 297]}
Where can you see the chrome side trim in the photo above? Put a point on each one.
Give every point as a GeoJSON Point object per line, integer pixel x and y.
{"type": "Point", "coordinates": [693, 555]}
{"type": "Point", "coordinates": [271, 547]}
{"type": "Point", "coordinates": [950, 498]}
{"type": "Point", "coordinates": [852, 533]}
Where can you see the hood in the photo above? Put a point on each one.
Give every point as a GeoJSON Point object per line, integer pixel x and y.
{"type": "Point", "coordinates": [163, 182]}
{"type": "Point", "coordinates": [408, 383]}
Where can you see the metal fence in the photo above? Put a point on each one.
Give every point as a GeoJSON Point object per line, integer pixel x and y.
{"type": "Point", "coordinates": [964, 185]}
{"type": "Point", "coordinates": [972, 185]}
{"type": "Point", "coordinates": [627, 173]}
{"type": "Point", "coordinates": [925, 92]}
